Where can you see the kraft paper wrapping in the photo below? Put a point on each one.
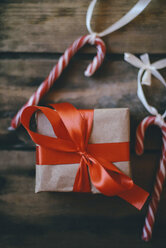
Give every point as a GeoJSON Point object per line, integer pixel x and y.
{"type": "Point", "coordinates": [109, 126]}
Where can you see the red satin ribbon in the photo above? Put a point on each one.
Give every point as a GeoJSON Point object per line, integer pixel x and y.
{"type": "Point", "coordinates": [72, 129]}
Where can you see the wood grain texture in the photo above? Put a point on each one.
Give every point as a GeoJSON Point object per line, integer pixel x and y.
{"type": "Point", "coordinates": [114, 85]}
{"type": "Point", "coordinates": [72, 231]}
{"type": "Point", "coordinates": [51, 26]}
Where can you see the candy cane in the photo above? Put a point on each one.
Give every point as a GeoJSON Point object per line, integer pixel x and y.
{"type": "Point", "coordinates": [93, 39]}
{"type": "Point", "coordinates": [144, 77]}
{"type": "Point", "coordinates": [161, 174]}
{"type": "Point", "coordinates": [60, 66]}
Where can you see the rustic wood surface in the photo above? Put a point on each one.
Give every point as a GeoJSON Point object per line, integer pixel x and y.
{"type": "Point", "coordinates": [50, 26]}
{"type": "Point", "coordinates": [33, 34]}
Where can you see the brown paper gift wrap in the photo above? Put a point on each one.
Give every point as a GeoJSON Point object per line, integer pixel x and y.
{"type": "Point", "coordinates": [109, 126]}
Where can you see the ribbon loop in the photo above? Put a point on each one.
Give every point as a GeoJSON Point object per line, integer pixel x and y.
{"type": "Point", "coordinates": [145, 60]}
{"type": "Point", "coordinates": [128, 17]}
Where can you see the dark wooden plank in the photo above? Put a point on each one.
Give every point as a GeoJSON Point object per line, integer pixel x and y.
{"type": "Point", "coordinates": [114, 85]}
{"type": "Point", "coordinates": [51, 26]}
{"type": "Point", "coordinates": [63, 231]}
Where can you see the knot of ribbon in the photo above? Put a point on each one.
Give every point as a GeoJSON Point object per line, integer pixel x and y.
{"type": "Point", "coordinates": [72, 129]}
{"type": "Point", "coordinates": [160, 120]}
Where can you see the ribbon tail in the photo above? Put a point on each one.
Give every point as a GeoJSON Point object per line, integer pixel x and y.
{"type": "Point", "coordinates": [107, 178]}
{"type": "Point", "coordinates": [136, 196]}
{"type": "Point", "coordinates": [82, 182]}
{"type": "Point", "coordinates": [159, 77]}
{"type": "Point", "coordinates": [146, 79]}
{"type": "Point", "coordinates": [110, 181]}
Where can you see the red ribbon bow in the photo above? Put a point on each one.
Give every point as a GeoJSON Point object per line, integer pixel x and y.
{"type": "Point", "coordinates": [72, 129]}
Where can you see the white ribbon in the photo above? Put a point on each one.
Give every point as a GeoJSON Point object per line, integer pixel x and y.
{"type": "Point", "coordinates": [128, 17]}
{"type": "Point", "coordinates": [144, 77]}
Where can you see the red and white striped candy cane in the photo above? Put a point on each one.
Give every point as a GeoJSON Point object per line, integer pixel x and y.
{"type": "Point", "coordinates": [60, 66]}
{"type": "Point", "coordinates": [160, 177]}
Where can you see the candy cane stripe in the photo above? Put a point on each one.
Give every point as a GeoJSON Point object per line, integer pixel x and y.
{"type": "Point", "coordinates": [156, 191]}
{"type": "Point", "coordinates": [151, 213]}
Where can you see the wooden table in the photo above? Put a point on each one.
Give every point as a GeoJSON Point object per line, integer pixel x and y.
{"type": "Point", "coordinates": [33, 34]}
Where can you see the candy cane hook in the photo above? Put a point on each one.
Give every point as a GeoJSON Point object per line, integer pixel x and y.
{"type": "Point", "coordinates": [60, 66]}
{"type": "Point", "coordinates": [161, 174]}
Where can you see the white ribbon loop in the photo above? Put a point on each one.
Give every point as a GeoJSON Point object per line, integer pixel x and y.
{"type": "Point", "coordinates": [144, 76]}
{"type": "Point", "coordinates": [128, 17]}
{"type": "Point", "coordinates": [132, 59]}
{"type": "Point", "coordinates": [148, 68]}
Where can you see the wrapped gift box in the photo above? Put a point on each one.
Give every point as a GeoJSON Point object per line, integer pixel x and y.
{"type": "Point", "coordinates": [78, 148]}
{"type": "Point", "coordinates": [109, 126]}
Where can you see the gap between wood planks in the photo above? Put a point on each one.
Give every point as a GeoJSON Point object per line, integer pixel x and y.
{"type": "Point", "coordinates": [79, 55]}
